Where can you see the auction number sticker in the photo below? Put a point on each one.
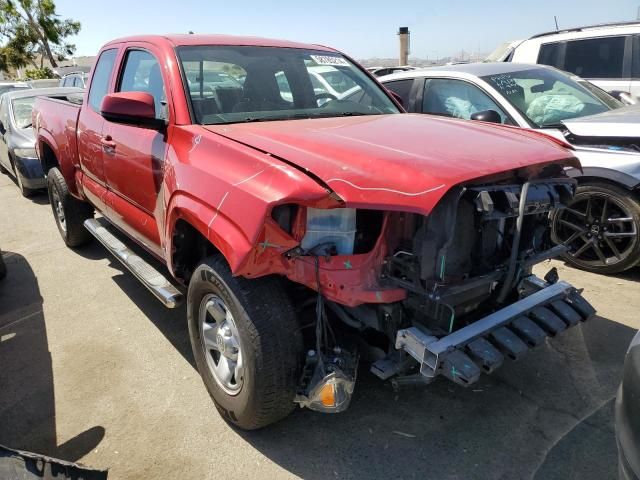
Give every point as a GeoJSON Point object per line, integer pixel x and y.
{"type": "Point", "coordinates": [329, 60]}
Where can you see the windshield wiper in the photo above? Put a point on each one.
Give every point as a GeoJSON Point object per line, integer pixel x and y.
{"type": "Point", "coordinates": [295, 116]}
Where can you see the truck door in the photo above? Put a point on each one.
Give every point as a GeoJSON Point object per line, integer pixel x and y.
{"type": "Point", "coordinates": [90, 124]}
{"type": "Point", "coordinates": [134, 164]}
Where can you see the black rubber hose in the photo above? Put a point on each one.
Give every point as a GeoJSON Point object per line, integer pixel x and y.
{"type": "Point", "coordinates": [515, 247]}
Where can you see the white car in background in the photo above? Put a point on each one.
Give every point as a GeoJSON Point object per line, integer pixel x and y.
{"type": "Point", "coordinates": [382, 71]}
{"type": "Point", "coordinates": [603, 54]}
{"type": "Point", "coordinates": [327, 81]}
{"type": "Point", "coordinates": [602, 227]}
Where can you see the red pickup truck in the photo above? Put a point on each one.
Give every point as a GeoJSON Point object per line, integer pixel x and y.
{"type": "Point", "coordinates": [303, 225]}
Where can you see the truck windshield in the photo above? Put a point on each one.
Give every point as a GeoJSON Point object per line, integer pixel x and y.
{"type": "Point", "coordinates": [546, 97]}
{"type": "Point", "coordinates": [233, 84]}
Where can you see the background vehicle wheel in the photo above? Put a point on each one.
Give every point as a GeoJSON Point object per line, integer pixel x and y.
{"type": "Point", "coordinates": [26, 192]}
{"type": "Point", "coordinates": [246, 342]}
{"type": "Point", "coordinates": [69, 212]}
{"type": "Point", "coordinates": [601, 227]}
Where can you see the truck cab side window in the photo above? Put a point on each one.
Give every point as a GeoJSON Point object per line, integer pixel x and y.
{"type": "Point", "coordinates": [101, 76]}
{"type": "Point", "coordinates": [142, 74]}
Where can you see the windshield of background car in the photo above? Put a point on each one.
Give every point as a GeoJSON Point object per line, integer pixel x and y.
{"type": "Point", "coordinates": [607, 99]}
{"type": "Point", "coordinates": [546, 97]}
{"type": "Point", "coordinates": [22, 108]}
{"type": "Point", "coordinates": [230, 84]}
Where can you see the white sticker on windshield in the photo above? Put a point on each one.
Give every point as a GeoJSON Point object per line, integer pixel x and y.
{"type": "Point", "coordinates": [329, 60]}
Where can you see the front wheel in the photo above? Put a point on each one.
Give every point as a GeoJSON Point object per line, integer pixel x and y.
{"type": "Point", "coordinates": [69, 212]}
{"type": "Point", "coordinates": [246, 343]}
{"type": "Point", "coordinates": [601, 228]}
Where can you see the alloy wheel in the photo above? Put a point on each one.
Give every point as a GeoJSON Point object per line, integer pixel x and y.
{"type": "Point", "coordinates": [220, 341]}
{"type": "Point", "coordinates": [58, 209]}
{"type": "Point", "coordinates": [598, 229]}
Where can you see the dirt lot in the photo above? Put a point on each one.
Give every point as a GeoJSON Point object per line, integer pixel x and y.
{"type": "Point", "coordinates": [94, 369]}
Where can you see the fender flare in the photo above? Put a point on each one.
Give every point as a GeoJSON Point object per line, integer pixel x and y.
{"type": "Point", "coordinates": [615, 176]}
{"type": "Point", "coordinates": [212, 224]}
{"type": "Point", "coordinates": [66, 168]}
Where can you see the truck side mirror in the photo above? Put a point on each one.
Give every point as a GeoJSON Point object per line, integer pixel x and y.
{"type": "Point", "coordinates": [132, 108]}
{"type": "Point", "coordinates": [487, 116]}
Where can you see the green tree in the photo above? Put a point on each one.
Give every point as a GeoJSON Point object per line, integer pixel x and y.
{"type": "Point", "coordinates": [33, 26]}
{"type": "Point", "coordinates": [38, 73]}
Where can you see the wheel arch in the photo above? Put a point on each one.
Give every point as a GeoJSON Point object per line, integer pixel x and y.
{"type": "Point", "coordinates": [190, 236]}
{"type": "Point", "coordinates": [46, 150]}
{"type": "Point", "coordinates": [606, 175]}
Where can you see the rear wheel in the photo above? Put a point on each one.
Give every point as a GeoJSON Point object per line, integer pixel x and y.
{"type": "Point", "coordinates": [246, 342]}
{"type": "Point", "coordinates": [601, 227]}
{"type": "Point", "coordinates": [69, 212]}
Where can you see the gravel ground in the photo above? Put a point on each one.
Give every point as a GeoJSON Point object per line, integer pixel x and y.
{"type": "Point", "coordinates": [94, 369]}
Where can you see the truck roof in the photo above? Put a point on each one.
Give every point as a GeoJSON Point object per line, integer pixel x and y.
{"type": "Point", "coordinates": [178, 40]}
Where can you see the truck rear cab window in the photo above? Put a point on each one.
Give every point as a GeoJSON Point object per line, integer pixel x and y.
{"type": "Point", "coordinates": [142, 74]}
{"type": "Point", "coordinates": [596, 57]}
{"type": "Point", "coordinates": [101, 77]}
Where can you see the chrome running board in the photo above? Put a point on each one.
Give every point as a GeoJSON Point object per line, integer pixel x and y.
{"type": "Point", "coordinates": [155, 282]}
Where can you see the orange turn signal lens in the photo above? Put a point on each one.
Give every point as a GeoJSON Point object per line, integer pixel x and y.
{"type": "Point", "coordinates": [328, 395]}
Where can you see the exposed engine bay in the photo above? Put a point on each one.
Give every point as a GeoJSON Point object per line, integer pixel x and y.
{"type": "Point", "coordinates": [470, 297]}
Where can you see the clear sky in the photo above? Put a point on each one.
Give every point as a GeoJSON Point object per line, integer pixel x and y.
{"type": "Point", "coordinates": [360, 28]}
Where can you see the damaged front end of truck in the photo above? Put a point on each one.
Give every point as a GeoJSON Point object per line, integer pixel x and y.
{"type": "Point", "coordinates": [447, 294]}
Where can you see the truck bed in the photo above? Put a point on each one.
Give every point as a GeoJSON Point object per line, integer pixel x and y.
{"type": "Point", "coordinates": [56, 120]}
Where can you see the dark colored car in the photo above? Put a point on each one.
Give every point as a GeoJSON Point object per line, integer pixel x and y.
{"type": "Point", "coordinates": [628, 415]}
{"type": "Point", "coordinates": [17, 152]}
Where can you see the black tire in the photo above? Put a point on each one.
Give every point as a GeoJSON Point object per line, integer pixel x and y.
{"type": "Point", "coordinates": [269, 339]}
{"type": "Point", "coordinates": [73, 212]}
{"type": "Point", "coordinates": [617, 242]}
